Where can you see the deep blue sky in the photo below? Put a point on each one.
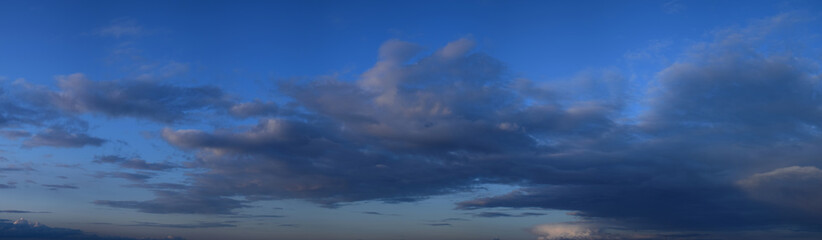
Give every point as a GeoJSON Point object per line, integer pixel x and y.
{"type": "Point", "coordinates": [410, 120]}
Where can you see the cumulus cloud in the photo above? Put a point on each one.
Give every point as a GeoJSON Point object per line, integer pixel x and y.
{"type": "Point", "coordinates": [418, 125]}
{"type": "Point", "coordinates": [443, 117]}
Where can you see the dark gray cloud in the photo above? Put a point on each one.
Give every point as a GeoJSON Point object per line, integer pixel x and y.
{"type": "Point", "coordinates": [795, 188]}
{"type": "Point", "coordinates": [255, 108]}
{"type": "Point", "coordinates": [254, 216]}
{"type": "Point", "coordinates": [151, 100]}
{"type": "Point", "coordinates": [60, 137]}
{"type": "Point", "coordinates": [439, 224]}
{"type": "Point", "coordinates": [20, 211]}
{"type": "Point", "coordinates": [22, 229]}
{"type": "Point", "coordinates": [14, 114]}
{"type": "Point", "coordinates": [453, 219]}
{"type": "Point", "coordinates": [188, 225]}
{"type": "Point", "coordinates": [134, 177]}
{"type": "Point", "coordinates": [59, 186]}
{"type": "Point", "coordinates": [502, 214]}
{"type": "Point", "coordinates": [15, 169]}
{"type": "Point", "coordinates": [443, 117]}
{"type": "Point", "coordinates": [135, 163]}
{"type": "Point", "coordinates": [379, 213]}
{"type": "Point", "coordinates": [176, 202]}
{"type": "Point", "coordinates": [15, 134]}
{"type": "Point", "coordinates": [159, 186]}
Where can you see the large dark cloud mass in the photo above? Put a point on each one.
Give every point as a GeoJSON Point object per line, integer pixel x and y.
{"type": "Point", "coordinates": [726, 137]}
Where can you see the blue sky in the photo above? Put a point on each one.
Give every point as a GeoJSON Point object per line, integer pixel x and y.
{"type": "Point", "coordinates": [410, 120]}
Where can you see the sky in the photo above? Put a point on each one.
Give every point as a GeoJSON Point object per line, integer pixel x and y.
{"type": "Point", "coordinates": [546, 120]}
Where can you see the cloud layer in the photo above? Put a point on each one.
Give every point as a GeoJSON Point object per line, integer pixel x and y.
{"type": "Point", "coordinates": [725, 138]}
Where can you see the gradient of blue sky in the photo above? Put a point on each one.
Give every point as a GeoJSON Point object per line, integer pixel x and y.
{"type": "Point", "coordinates": [613, 100]}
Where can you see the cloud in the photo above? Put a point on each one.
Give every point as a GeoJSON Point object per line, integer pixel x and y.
{"type": "Point", "coordinates": [501, 214]}
{"type": "Point", "coordinates": [439, 224]}
{"type": "Point", "coordinates": [402, 132]}
{"type": "Point", "coordinates": [188, 225]}
{"type": "Point", "coordinates": [59, 186]}
{"type": "Point", "coordinates": [23, 229]}
{"type": "Point", "coordinates": [134, 177]}
{"type": "Point", "coordinates": [14, 134]}
{"type": "Point", "coordinates": [20, 211]}
{"type": "Point", "coordinates": [135, 163]}
{"type": "Point", "coordinates": [417, 125]}
{"type": "Point", "coordinates": [254, 216]}
{"type": "Point", "coordinates": [255, 108]}
{"type": "Point", "coordinates": [379, 213]}
{"type": "Point", "coordinates": [59, 137]}
{"type": "Point", "coordinates": [14, 113]}
{"type": "Point", "coordinates": [176, 202]}
{"type": "Point", "coordinates": [122, 28]}
{"type": "Point", "coordinates": [564, 231]}
{"type": "Point", "coordinates": [796, 188]}
{"type": "Point", "coordinates": [146, 99]}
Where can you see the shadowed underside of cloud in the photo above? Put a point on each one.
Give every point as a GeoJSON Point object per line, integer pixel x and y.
{"type": "Point", "coordinates": [502, 214]}
{"type": "Point", "coordinates": [723, 130]}
{"type": "Point", "coordinates": [57, 137]}
{"type": "Point", "coordinates": [135, 163]}
{"type": "Point", "coordinates": [22, 229]}
{"type": "Point", "coordinates": [169, 201]}
{"type": "Point", "coordinates": [183, 225]}
{"type": "Point", "coordinates": [141, 99]}
{"type": "Point", "coordinates": [20, 211]}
